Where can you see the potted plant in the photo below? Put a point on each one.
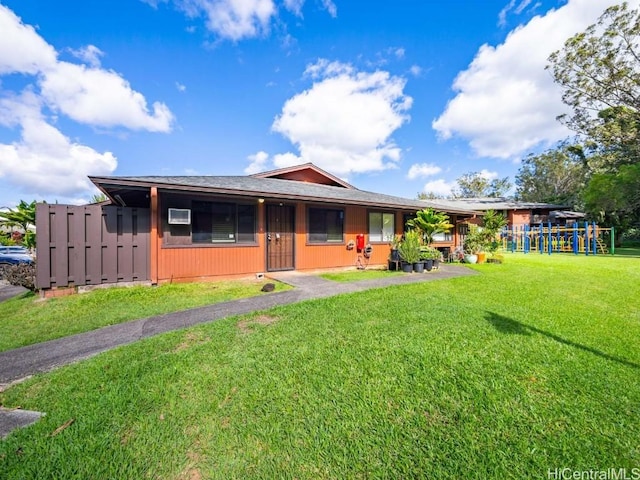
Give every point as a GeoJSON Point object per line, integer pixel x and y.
{"type": "Point", "coordinates": [429, 256]}
{"type": "Point", "coordinates": [493, 223]}
{"type": "Point", "coordinates": [409, 251]}
{"type": "Point", "coordinates": [430, 222]}
{"type": "Point", "coordinates": [473, 243]}
{"type": "Point", "coordinates": [394, 244]}
{"type": "Point", "coordinates": [439, 257]}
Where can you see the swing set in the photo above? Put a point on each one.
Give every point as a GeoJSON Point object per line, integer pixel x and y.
{"type": "Point", "coordinates": [587, 238]}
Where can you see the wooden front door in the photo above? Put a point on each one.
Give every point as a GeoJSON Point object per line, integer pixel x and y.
{"type": "Point", "coordinates": [280, 237]}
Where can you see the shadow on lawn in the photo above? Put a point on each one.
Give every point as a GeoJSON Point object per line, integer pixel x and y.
{"type": "Point", "coordinates": [509, 325]}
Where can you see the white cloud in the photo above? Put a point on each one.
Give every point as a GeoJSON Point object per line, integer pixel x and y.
{"type": "Point", "coordinates": [294, 6]}
{"type": "Point", "coordinates": [89, 54]}
{"type": "Point", "coordinates": [506, 103]}
{"type": "Point", "coordinates": [419, 170]}
{"type": "Point", "coordinates": [44, 161]}
{"type": "Point", "coordinates": [239, 19]}
{"type": "Point", "coordinates": [415, 70]}
{"type": "Point", "coordinates": [100, 97]}
{"type": "Point", "coordinates": [502, 16]}
{"type": "Point", "coordinates": [258, 163]}
{"type": "Point", "coordinates": [344, 122]}
{"type": "Point", "coordinates": [22, 50]}
{"type": "Point", "coordinates": [181, 87]}
{"type": "Point", "coordinates": [89, 95]}
{"type": "Point", "coordinates": [330, 7]}
{"type": "Point", "coordinates": [282, 160]}
{"type": "Point", "coordinates": [440, 187]}
{"type": "Point", "coordinates": [488, 175]}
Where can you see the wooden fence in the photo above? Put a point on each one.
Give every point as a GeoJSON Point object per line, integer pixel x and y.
{"type": "Point", "coordinates": [91, 245]}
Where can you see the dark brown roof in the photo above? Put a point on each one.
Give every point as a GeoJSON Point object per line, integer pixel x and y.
{"type": "Point", "coordinates": [267, 188]}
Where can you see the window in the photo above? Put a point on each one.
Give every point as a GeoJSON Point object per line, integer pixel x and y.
{"type": "Point", "coordinates": [223, 223]}
{"type": "Point", "coordinates": [325, 225]}
{"type": "Point", "coordinates": [381, 226]}
{"type": "Point", "coordinates": [441, 237]}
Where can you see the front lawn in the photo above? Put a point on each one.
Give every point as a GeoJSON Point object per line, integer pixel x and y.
{"type": "Point", "coordinates": [27, 320]}
{"type": "Point", "coordinates": [531, 366]}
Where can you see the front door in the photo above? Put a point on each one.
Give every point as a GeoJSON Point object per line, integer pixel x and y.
{"type": "Point", "coordinates": [280, 239]}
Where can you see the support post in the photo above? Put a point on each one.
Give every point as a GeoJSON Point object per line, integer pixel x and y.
{"type": "Point", "coordinates": [154, 235]}
{"type": "Point", "coordinates": [586, 238]}
{"type": "Point", "coordinates": [613, 240]}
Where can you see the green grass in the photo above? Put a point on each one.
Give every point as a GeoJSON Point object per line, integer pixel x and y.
{"type": "Point", "coordinates": [27, 320]}
{"type": "Point", "coordinates": [529, 366]}
{"type": "Point", "coordinates": [356, 275]}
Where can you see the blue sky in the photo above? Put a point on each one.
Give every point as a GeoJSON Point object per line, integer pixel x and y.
{"type": "Point", "coordinates": [395, 97]}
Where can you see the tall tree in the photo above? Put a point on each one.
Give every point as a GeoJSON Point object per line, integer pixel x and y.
{"type": "Point", "coordinates": [599, 69]}
{"type": "Point", "coordinates": [557, 175]}
{"type": "Point", "coordinates": [474, 184]}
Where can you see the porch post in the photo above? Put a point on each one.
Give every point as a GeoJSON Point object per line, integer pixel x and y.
{"type": "Point", "coordinates": [154, 235]}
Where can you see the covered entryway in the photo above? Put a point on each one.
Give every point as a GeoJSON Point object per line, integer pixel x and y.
{"type": "Point", "coordinates": [280, 237]}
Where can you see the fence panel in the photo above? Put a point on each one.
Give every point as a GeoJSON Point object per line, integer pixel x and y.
{"type": "Point", "coordinates": [91, 244]}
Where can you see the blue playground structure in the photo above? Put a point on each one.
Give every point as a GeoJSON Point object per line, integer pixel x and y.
{"type": "Point", "coordinates": [587, 238]}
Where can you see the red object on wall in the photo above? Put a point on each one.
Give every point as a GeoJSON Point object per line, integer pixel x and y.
{"type": "Point", "coordinates": [360, 242]}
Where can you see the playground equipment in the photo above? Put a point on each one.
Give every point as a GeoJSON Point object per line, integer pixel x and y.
{"type": "Point", "coordinates": [587, 238]}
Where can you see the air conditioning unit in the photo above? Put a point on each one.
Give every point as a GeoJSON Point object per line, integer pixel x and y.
{"type": "Point", "coordinates": [179, 216]}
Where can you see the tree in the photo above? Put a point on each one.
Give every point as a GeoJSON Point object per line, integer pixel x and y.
{"type": "Point", "coordinates": [98, 198]}
{"type": "Point", "coordinates": [614, 198]}
{"type": "Point", "coordinates": [430, 196]}
{"type": "Point", "coordinates": [474, 184]}
{"type": "Point", "coordinates": [599, 69]}
{"type": "Point", "coordinates": [24, 217]}
{"type": "Point", "coordinates": [430, 222]}
{"type": "Point", "coordinates": [555, 176]}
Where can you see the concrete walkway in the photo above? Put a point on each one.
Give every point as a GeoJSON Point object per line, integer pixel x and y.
{"type": "Point", "coordinates": [23, 362]}
{"type": "Point", "coordinates": [9, 291]}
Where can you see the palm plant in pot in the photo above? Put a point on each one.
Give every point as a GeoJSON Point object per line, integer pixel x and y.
{"type": "Point", "coordinates": [409, 251]}
{"type": "Point", "coordinates": [493, 223]}
{"type": "Point", "coordinates": [430, 222]}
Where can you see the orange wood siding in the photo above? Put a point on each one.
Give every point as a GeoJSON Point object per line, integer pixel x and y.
{"type": "Point", "coordinates": [519, 217]}
{"type": "Point", "coordinates": [200, 262]}
{"type": "Point", "coordinates": [196, 262]}
{"type": "Point", "coordinates": [317, 256]}
{"type": "Point", "coordinates": [184, 262]}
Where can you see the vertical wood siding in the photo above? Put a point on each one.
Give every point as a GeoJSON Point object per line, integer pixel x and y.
{"type": "Point", "coordinates": [317, 256]}
{"type": "Point", "coordinates": [90, 245]}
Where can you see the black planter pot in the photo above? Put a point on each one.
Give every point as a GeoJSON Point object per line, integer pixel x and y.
{"type": "Point", "coordinates": [428, 265]}
{"type": "Point", "coordinates": [407, 267]}
{"type": "Point", "coordinates": [418, 267]}
{"type": "Point", "coordinates": [436, 264]}
{"type": "Point", "coordinates": [393, 266]}
{"type": "Point", "coordinates": [395, 255]}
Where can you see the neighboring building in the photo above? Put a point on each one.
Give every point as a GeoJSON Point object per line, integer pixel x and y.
{"type": "Point", "coordinates": [516, 213]}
